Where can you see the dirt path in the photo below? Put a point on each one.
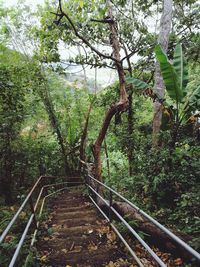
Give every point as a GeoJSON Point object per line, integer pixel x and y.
{"type": "Point", "coordinates": [77, 236]}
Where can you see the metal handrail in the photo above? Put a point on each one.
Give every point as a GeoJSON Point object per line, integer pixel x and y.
{"type": "Point", "coordinates": [32, 216]}
{"type": "Point", "coordinates": [180, 242]}
{"type": "Point", "coordinates": [148, 217]}
{"type": "Point", "coordinates": [118, 233]}
{"type": "Point", "coordinates": [151, 252]}
{"type": "Point", "coordinates": [5, 232]}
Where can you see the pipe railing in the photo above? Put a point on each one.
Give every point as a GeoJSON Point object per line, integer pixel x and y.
{"type": "Point", "coordinates": [109, 203]}
{"type": "Point", "coordinates": [33, 208]}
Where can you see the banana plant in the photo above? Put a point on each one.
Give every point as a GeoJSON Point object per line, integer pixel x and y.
{"type": "Point", "coordinates": [175, 77]}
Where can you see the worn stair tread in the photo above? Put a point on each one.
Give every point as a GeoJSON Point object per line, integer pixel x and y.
{"type": "Point", "coordinates": [80, 237]}
{"type": "Point", "coordinates": [68, 243]}
{"type": "Point", "coordinates": [69, 209]}
{"type": "Point", "coordinates": [101, 255]}
{"type": "Point", "coordinates": [75, 230]}
{"type": "Point", "coordinates": [74, 214]}
{"type": "Point", "coordinates": [75, 221]}
{"type": "Point", "coordinates": [70, 202]}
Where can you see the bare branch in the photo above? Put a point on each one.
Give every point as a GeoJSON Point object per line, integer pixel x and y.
{"type": "Point", "coordinates": [134, 51]}
{"type": "Point", "coordinates": [106, 20]}
{"type": "Point", "coordinates": [82, 38]}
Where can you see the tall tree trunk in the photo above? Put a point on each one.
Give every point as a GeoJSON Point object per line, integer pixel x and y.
{"type": "Point", "coordinates": [117, 107]}
{"type": "Point", "coordinates": [107, 158]}
{"type": "Point", "coordinates": [130, 116]}
{"type": "Point", "coordinates": [55, 125]}
{"type": "Point", "coordinates": [84, 134]}
{"type": "Point", "coordinates": [163, 39]}
{"type": "Point", "coordinates": [7, 181]}
{"type": "Point", "coordinates": [130, 132]}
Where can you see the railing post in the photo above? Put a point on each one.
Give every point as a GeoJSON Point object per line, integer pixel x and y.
{"type": "Point", "coordinates": [33, 211]}
{"type": "Point", "coordinates": [110, 206]}
{"type": "Point", "coordinates": [87, 183]}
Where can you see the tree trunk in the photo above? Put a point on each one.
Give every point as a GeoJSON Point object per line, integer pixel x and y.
{"type": "Point", "coordinates": [163, 38]}
{"type": "Point", "coordinates": [107, 158]}
{"type": "Point", "coordinates": [84, 134]}
{"type": "Point", "coordinates": [130, 132]}
{"type": "Point", "coordinates": [117, 107]}
{"type": "Point", "coordinates": [54, 123]}
{"type": "Point", "coordinates": [130, 116]}
{"type": "Point", "coordinates": [7, 181]}
{"type": "Point", "coordinates": [156, 235]}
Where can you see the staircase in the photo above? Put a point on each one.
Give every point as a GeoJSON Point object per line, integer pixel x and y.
{"type": "Point", "coordinates": [75, 235]}
{"type": "Point", "coordinates": [80, 237]}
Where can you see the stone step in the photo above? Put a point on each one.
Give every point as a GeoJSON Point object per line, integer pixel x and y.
{"type": "Point", "coordinates": [80, 236]}
{"type": "Point", "coordinates": [60, 215]}
{"type": "Point", "coordinates": [75, 221]}
{"type": "Point", "coordinates": [76, 230]}
{"type": "Point", "coordinates": [69, 209]}
{"type": "Point", "coordinates": [70, 243]}
{"type": "Point", "coordinates": [96, 258]}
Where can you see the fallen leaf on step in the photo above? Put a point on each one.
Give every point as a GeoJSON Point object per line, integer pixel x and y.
{"type": "Point", "coordinates": [64, 250]}
{"type": "Point", "coordinates": [22, 215]}
{"type": "Point", "coordinates": [92, 247]}
{"type": "Point", "coordinates": [110, 264]}
{"type": "Point", "coordinates": [76, 249]}
{"type": "Point", "coordinates": [178, 262]}
{"type": "Point", "coordinates": [111, 236]}
{"type": "Point", "coordinates": [12, 208]}
{"type": "Point", "coordinates": [9, 238]}
{"type": "Point", "coordinates": [103, 230]}
{"type": "Point", "coordinates": [72, 246]}
{"type": "Point", "coordinates": [90, 231]}
{"type": "Point", "coordinates": [43, 258]}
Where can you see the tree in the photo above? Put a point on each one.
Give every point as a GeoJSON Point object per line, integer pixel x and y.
{"type": "Point", "coordinates": [115, 57]}
{"type": "Point", "coordinates": [12, 98]}
{"type": "Point", "coordinates": [163, 39]}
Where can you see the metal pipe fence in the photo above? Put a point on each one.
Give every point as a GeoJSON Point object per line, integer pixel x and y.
{"type": "Point", "coordinates": [33, 216]}
{"type": "Point", "coordinates": [109, 203]}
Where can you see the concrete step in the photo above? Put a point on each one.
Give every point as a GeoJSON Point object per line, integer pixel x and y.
{"type": "Point", "coordinates": [60, 215]}
{"type": "Point", "coordinates": [96, 258]}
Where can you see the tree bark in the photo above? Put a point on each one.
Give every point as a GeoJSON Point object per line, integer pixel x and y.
{"type": "Point", "coordinates": [7, 181]}
{"type": "Point", "coordinates": [163, 39]}
{"type": "Point", "coordinates": [130, 116]}
{"type": "Point", "coordinates": [84, 134]}
{"type": "Point", "coordinates": [107, 158]}
{"type": "Point", "coordinates": [130, 132]}
{"type": "Point", "coordinates": [156, 235]}
{"type": "Point", "coordinates": [54, 123]}
{"type": "Point", "coordinates": [120, 106]}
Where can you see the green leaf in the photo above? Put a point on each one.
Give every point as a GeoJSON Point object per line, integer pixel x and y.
{"type": "Point", "coordinates": [170, 77]}
{"type": "Point", "coordinates": [180, 66]}
{"type": "Point", "coordinates": [138, 84]}
{"type": "Point", "coordinates": [194, 100]}
{"type": "Point", "coordinates": [81, 3]}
